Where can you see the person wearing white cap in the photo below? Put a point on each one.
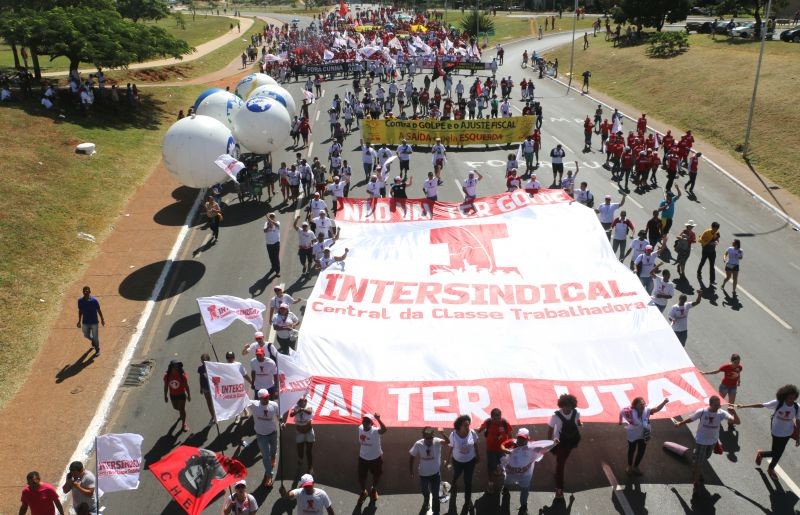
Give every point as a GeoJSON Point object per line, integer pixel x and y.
{"type": "Point", "coordinates": [240, 501]}
{"type": "Point", "coordinates": [645, 264]}
{"type": "Point", "coordinates": [315, 207]}
{"type": "Point", "coordinates": [429, 451]}
{"type": "Point", "coordinates": [263, 371]}
{"type": "Point", "coordinates": [305, 241]}
{"type": "Point", "coordinates": [265, 422]}
{"type": "Point", "coordinates": [309, 499]}
{"type": "Point", "coordinates": [470, 187]}
{"type": "Point", "coordinates": [606, 210]}
{"type": "Point", "coordinates": [272, 234]}
{"type": "Point", "coordinates": [337, 189]}
{"type": "Point", "coordinates": [517, 465]}
{"type": "Point", "coordinates": [373, 187]}
{"type": "Point", "coordinates": [322, 224]}
{"type": "Point", "coordinates": [260, 343]}
{"type": "Point", "coordinates": [404, 152]}
{"type": "Point", "coordinates": [285, 323]}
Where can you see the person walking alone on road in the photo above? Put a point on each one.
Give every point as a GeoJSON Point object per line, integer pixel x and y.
{"type": "Point", "coordinates": [707, 434]}
{"type": "Point", "coordinates": [585, 40]}
{"type": "Point", "coordinates": [732, 257]}
{"type": "Point", "coordinates": [785, 423]}
{"type": "Point", "coordinates": [563, 429]}
{"type": "Point", "coordinates": [214, 215]}
{"type": "Point", "coordinates": [586, 75]}
{"type": "Point", "coordinates": [272, 234]}
{"type": "Point", "coordinates": [679, 316]}
{"type": "Point", "coordinates": [176, 390]}
{"type": "Point", "coordinates": [464, 456]}
{"type": "Point", "coordinates": [708, 241]}
{"type": "Point", "coordinates": [636, 420]}
{"type": "Point", "coordinates": [89, 311]}
{"type": "Point", "coordinates": [429, 451]}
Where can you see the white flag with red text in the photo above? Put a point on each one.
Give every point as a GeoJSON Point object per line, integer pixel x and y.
{"type": "Point", "coordinates": [442, 309]}
{"type": "Point", "coordinates": [230, 165]}
{"type": "Point", "coordinates": [228, 392]}
{"type": "Point", "coordinates": [294, 381]}
{"type": "Point", "coordinates": [119, 461]}
{"type": "Point", "coordinates": [220, 311]}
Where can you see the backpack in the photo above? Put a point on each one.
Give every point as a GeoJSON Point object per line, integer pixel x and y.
{"type": "Point", "coordinates": [681, 245]}
{"type": "Point", "coordinates": [570, 437]}
{"type": "Point", "coordinates": [590, 199]}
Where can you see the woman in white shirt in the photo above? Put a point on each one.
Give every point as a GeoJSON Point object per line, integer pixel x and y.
{"type": "Point", "coordinates": [240, 501]}
{"type": "Point", "coordinates": [733, 255]}
{"type": "Point", "coordinates": [636, 420]}
{"type": "Point", "coordinates": [464, 454]}
{"type": "Point", "coordinates": [785, 419]}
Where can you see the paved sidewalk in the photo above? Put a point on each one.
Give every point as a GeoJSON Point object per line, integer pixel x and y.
{"type": "Point", "coordinates": [199, 52]}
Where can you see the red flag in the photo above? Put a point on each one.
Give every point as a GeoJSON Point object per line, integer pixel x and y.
{"type": "Point", "coordinates": [437, 69]}
{"type": "Point", "coordinates": [194, 477]}
{"type": "Point", "coordinates": [478, 89]}
{"type": "Point", "coordinates": [343, 8]}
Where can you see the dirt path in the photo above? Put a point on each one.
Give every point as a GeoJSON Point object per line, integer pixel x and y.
{"type": "Point", "coordinates": [199, 52]}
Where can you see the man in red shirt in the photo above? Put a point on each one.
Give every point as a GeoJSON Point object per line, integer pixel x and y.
{"type": "Point", "coordinates": [40, 497]}
{"type": "Point", "coordinates": [605, 130]}
{"type": "Point", "coordinates": [694, 162]}
{"type": "Point", "coordinates": [496, 430]}
{"type": "Point", "coordinates": [626, 163]}
{"type": "Point", "coordinates": [587, 134]}
{"type": "Point", "coordinates": [642, 170]}
{"type": "Point", "coordinates": [731, 378]}
{"type": "Point", "coordinates": [631, 138]}
{"type": "Point", "coordinates": [655, 162]}
{"type": "Point", "coordinates": [673, 164]}
{"type": "Point", "coordinates": [641, 124]}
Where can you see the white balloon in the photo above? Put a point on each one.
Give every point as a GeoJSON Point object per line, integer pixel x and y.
{"type": "Point", "coordinates": [246, 86]}
{"type": "Point", "coordinates": [218, 104]}
{"type": "Point", "coordinates": [190, 148]}
{"type": "Point", "coordinates": [263, 125]}
{"type": "Point", "coordinates": [278, 93]}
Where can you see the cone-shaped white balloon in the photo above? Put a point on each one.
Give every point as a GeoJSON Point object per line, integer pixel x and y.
{"type": "Point", "coordinates": [279, 94]}
{"type": "Point", "coordinates": [262, 126]}
{"type": "Point", "coordinates": [190, 148]}
{"type": "Point", "coordinates": [246, 86]}
{"type": "Point", "coordinates": [218, 104]}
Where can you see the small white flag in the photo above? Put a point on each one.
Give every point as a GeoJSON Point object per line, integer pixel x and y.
{"type": "Point", "coordinates": [228, 392]}
{"type": "Point", "coordinates": [220, 311]}
{"type": "Point", "coordinates": [230, 165]}
{"type": "Point", "coordinates": [119, 461]}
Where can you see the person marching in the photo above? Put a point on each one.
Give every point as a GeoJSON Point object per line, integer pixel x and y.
{"type": "Point", "coordinates": [636, 420]}
{"type": "Point", "coordinates": [429, 451]}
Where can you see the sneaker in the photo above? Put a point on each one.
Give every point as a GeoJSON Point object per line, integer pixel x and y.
{"type": "Point", "coordinates": [362, 497]}
{"type": "Point", "coordinates": [759, 457]}
{"type": "Point", "coordinates": [772, 474]}
{"type": "Point", "coordinates": [185, 428]}
{"type": "Point", "coordinates": [373, 494]}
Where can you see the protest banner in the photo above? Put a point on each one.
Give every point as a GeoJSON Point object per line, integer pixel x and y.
{"type": "Point", "coordinates": [486, 131]}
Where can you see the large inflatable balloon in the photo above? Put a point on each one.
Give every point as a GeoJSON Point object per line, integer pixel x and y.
{"type": "Point", "coordinates": [278, 93]}
{"type": "Point", "coordinates": [245, 87]}
{"type": "Point", "coordinates": [262, 126]}
{"type": "Point", "coordinates": [218, 104]}
{"type": "Point", "coordinates": [190, 148]}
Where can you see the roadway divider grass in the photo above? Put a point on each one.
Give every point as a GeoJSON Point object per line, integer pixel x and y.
{"type": "Point", "coordinates": [707, 89]}
{"type": "Point", "coordinates": [50, 194]}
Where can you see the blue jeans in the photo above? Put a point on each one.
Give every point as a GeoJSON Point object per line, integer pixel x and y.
{"type": "Point", "coordinates": [524, 491]}
{"type": "Point", "coordinates": [430, 485]}
{"type": "Point", "coordinates": [90, 333]}
{"type": "Point", "coordinates": [268, 445]}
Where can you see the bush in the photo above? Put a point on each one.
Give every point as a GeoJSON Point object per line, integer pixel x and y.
{"type": "Point", "coordinates": [485, 23]}
{"type": "Point", "coordinates": [667, 44]}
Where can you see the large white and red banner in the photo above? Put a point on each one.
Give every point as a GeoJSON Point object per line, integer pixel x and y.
{"type": "Point", "coordinates": [220, 311]}
{"type": "Point", "coordinates": [442, 308]}
{"type": "Point", "coordinates": [119, 461]}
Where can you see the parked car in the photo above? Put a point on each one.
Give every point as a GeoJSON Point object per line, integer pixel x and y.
{"type": "Point", "coordinates": [747, 30]}
{"type": "Point", "coordinates": [699, 26]}
{"type": "Point", "coordinates": [791, 35]}
{"type": "Point", "coordinates": [722, 26]}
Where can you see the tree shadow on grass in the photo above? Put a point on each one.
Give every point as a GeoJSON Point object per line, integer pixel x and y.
{"type": "Point", "coordinates": [148, 113]}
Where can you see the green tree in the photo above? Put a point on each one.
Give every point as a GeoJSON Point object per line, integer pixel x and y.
{"type": "Point", "coordinates": [757, 7]}
{"type": "Point", "coordinates": [101, 37]}
{"type": "Point", "coordinates": [651, 13]}
{"type": "Point", "coordinates": [474, 19]}
{"type": "Point", "coordinates": [143, 9]}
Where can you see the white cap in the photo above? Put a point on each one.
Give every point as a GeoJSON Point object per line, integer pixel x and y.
{"type": "Point", "coordinates": [306, 480]}
{"type": "Point", "coordinates": [523, 433]}
{"type": "Point", "coordinates": [263, 393]}
{"type": "Point", "coordinates": [258, 334]}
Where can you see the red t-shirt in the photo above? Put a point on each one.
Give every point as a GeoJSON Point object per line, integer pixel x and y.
{"type": "Point", "coordinates": [176, 384]}
{"type": "Point", "coordinates": [40, 501]}
{"type": "Point", "coordinates": [497, 434]}
{"type": "Point", "coordinates": [732, 372]}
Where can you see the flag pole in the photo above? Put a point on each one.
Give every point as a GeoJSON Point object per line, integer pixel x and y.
{"type": "Point", "coordinates": [97, 478]}
{"type": "Point", "coordinates": [280, 470]}
{"type": "Point", "coordinates": [210, 341]}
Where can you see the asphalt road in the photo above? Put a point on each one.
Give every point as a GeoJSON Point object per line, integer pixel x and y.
{"type": "Point", "coordinates": [754, 326]}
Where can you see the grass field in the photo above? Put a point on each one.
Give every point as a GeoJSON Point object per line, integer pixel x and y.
{"type": "Point", "coordinates": [51, 194]}
{"type": "Point", "coordinates": [508, 28]}
{"type": "Point", "coordinates": [202, 29]}
{"type": "Point", "coordinates": [708, 90]}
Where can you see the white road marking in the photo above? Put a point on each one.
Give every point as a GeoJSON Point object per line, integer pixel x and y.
{"type": "Point", "coordinates": [618, 491]}
{"type": "Point", "coordinates": [786, 479]}
{"type": "Point", "coordinates": [175, 298]}
{"type": "Point", "coordinates": [316, 117]}
{"type": "Point", "coordinates": [86, 444]}
{"type": "Point", "coordinates": [759, 304]}
{"type": "Point", "coordinates": [562, 144]}
{"type": "Point", "coordinates": [795, 265]}
{"type": "Point", "coordinates": [460, 190]}
{"type": "Point", "coordinates": [635, 202]}
{"type": "Point", "coordinates": [517, 108]}
{"type": "Point", "coordinates": [310, 146]}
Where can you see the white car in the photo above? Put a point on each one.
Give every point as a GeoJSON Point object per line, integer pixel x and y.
{"type": "Point", "coordinates": [747, 30]}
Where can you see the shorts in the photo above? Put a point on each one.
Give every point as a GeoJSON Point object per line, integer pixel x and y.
{"type": "Point", "coordinates": [374, 467]}
{"type": "Point", "coordinates": [404, 165]}
{"type": "Point", "coordinates": [702, 453]}
{"type": "Point", "coordinates": [558, 167]}
{"type": "Point", "coordinates": [305, 437]}
{"type": "Point", "coordinates": [284, 181]}
{"type": "Point", "coordinates": [725, 390]}
{"type": "Point", "coordinates": [439, 162]}
{"type": "Point", "coordinates": [295, 189]}
{"type": "Point", "coordinates": [732, 268]}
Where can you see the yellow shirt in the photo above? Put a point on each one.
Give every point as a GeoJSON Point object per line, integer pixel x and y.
{"type": "Point", "coordinates": [708, 236]}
